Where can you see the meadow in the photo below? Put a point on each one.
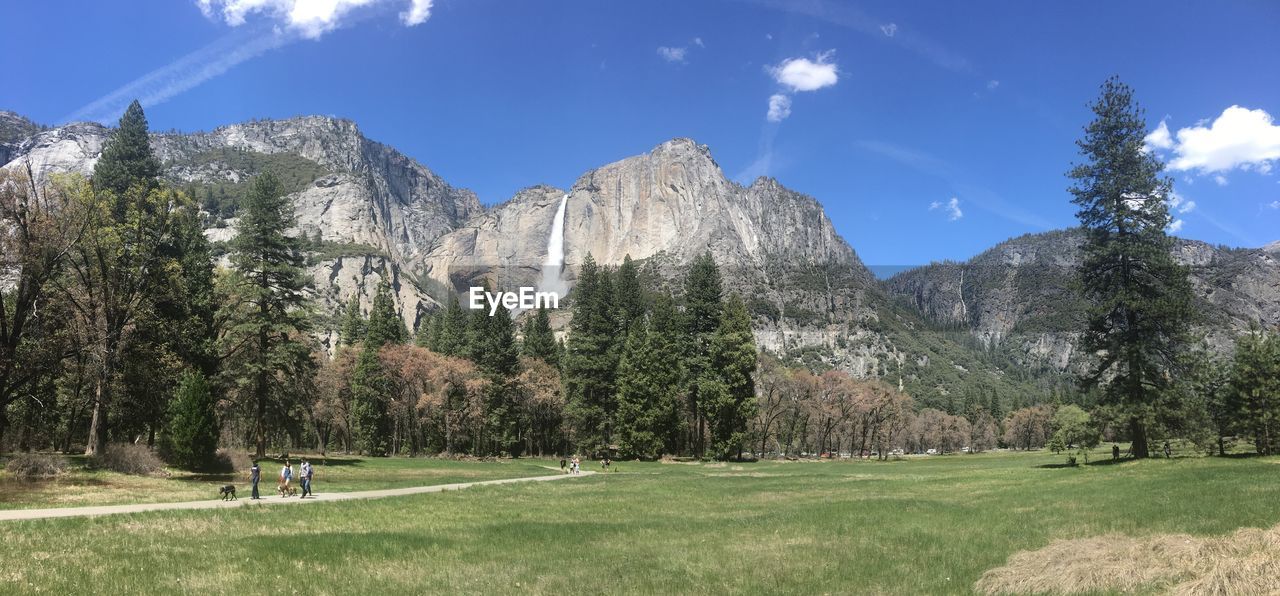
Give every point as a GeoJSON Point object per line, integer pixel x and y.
{"type": "Point", "coordinates": [922, 525]}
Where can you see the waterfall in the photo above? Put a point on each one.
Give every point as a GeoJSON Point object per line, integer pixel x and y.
{"type": "Point", "coordinates": [554, 265]}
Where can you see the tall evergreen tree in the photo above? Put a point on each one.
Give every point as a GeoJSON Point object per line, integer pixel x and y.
{"type": "Point", "coordinates": [648, 382]}
{"type": "Point", "coordinates": [191, 440]}
{"type": "Point", "coordinates": [591, 357]}
{"type": "Point", "coordinates": [729, 390]}
{"type": "Point", "coordinates": [427, 328]}
{"type": "Point", "coordinates": [266, 342]}
{"type": "Point", "coordinates": [127, 160]}
{"type": "Point", "coordinates": [453, 339]}
{"type": "Point", "coordinates": [1255, 383]}
{"type": "Point", "coordinates": [122, 262]}
{"type": "Point", "coordinates": [1140, 300]}
{"type": "Point", "coordinates": [539, 339]}
{"type": "Point", "coordinates": [370, 390]}
{"type": "Point", "coordinates": [628, 296]}
{"type": "Point", "coordinates": [385, 325]}
{"type": "Point", "coordinates": [495, 352]}
{"type": "Point", "coordinates": [353, 322]}
{"type": "Point", "coordinates": [703, 292]}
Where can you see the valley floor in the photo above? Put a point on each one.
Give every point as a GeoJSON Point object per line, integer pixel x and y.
{"type": "Point", "coordinates": [924, 525]}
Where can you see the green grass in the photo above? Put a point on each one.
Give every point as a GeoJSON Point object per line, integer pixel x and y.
{"type": "Point", "coordinates": [82, 486]}
{"type": "Point", "coordinates": [929, 525]}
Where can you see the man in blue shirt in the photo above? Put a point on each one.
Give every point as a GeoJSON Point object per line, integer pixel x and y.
{"type": "Point", "coordinates": [305, 478]}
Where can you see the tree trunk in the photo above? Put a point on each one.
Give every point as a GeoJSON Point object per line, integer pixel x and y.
{"type": "Point", "coordinates": [97, 443]}
{"type": "Point", "coordinates": [1138, 433]}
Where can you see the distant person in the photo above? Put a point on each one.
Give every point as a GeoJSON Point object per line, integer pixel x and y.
{"type": "Point", "coordinates": [1168, 452]}
{"type": "Point", "coordinates": [286, 474]}
{"type": "Point", "coordinates": [311, 473]}
{"type": "Point", "coordinates": [304, 478]}
{"type": "Point", "coordinates": [255, 474]}
{"type": "Point", "coordinates": [564, 464]}
{"type": "Point", "coordinates": [1115, 452]}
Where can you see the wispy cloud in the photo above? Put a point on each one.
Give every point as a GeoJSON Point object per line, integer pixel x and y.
{"type": "Point", "coordinates": [850, 17]}
{"type": "Point", "coordinates": [259, 27]}
{"type": "Point", "coordinates": [779, 107]}
{"type": "Point", "coordinates": [959, 180]}
{"type": "Point", "coordinates": [952, 208]}
{"type": "Point", "coordinates": [672, 54]}
{"type": "Point", "coordinates": [182, 74]}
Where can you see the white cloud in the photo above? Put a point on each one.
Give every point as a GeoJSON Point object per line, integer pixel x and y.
{"type": "Point", "coordinates": [697, 41]}
{"type": "Point", "coordinates": [1180, 204]}
{"type": "Point", "coordinates": [952, 208]}
{"type": "Point", "coordinates": [889, 29]}
{"type": "Point", "coordinates": [672, 54]}
{"type": "Point", "coordinates": [992, 85]}
{"type": "Point", "coordinates": [418, 13]}
{"type": "Point", "coordinates": [1159, 138]}
{"type": "Point", "coordinates": [1176, 226]}
{"type": "Point", "coordinates": [1273, 205]}
{"type": "Point", "coordinates": [802, 74]}
{"type": "Point", "coordinates": [779, 107]}
{"type": "Point", "coordinates": [1238, 138]}
{"type": "Point", "coordinates": [1220, 179]}
{"type": "Point", "coordinates": [308, 18]}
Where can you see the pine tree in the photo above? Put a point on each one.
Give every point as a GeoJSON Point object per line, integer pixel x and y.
{"type": "Point", "coordinates": [1255, 383]}
{"type": "Point", "coordinates": [426, 327]}
{"type": "Point", "coordinates": [127, 160]}
{"type": "Point", "coordinates": [353, 322]}
{"type": "Point", "coordinates": [191, 441]}
{"type": "Point", "coordinates": [703, 295]}
{"type": "Point", "coordinates": [495, 352]}
{"type": "Point", "coordinates": [671, 378]}
{"type": "Point", "coordinates": [730, 399]}
{"type": "Point", "coordinates": [370, 390]}
{"type": "Point", "coordinates": [124, 262]}
{"type": "Point", "coordinates": [628, 297]}
{"type": "Point", "coordinates": [385, 325]}
{"type": "Point", "coordinates": [268, 324]}
{"type": "Point", "coordinates": [539, 339]}
{"type": "Point", "coordinates": [591, 357]}
{"type": "Point", "coordinates": [453, 339]}
{"type": "Point", "coordinates": [1140, 300]}
{"type": "Point", "coordinates": [648, 380]}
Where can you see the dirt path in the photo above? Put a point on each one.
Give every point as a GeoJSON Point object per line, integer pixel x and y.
{"type": "Point", "coordinates": [21, 514]}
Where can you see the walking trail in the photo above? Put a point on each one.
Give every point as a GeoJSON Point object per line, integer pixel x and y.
{"type": "Point", "coordinates": [24, 514]}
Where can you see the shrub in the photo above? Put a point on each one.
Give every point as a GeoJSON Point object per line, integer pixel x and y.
{"type": "Point", "coordinates": [232, 461]}
{"type": "Point", "coordinates": [35, 466]}
{"type": "Point", "coordinates": [128, 458]}
{"type": "Point", "coordinates": [191, 442]}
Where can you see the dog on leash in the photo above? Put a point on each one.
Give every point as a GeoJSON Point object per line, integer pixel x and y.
{"type": "Point", "coordinates": [228, 492]}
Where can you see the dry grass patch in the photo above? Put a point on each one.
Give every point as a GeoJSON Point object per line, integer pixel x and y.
{"type": "Point", "coordinates": [1245, 562]}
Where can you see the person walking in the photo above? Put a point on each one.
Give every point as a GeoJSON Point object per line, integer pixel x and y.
{"type": "Point", "coordinates": [255, 474]}
{"type": "Point", "coordinates": [286, 474]}
{"type": "Point", "coordinates": [304, 478]}
{"type": "Point", "coordinates": [311, 473]}
{"type": "Point", "coordinates": [563, 464]}
{"type": "Point", "coordinates": [1115, 452]}
{"type": "Point", "coordinates": [1168, 451]}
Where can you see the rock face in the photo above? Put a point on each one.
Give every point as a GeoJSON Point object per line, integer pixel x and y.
{"type": "Point", "coordinates": [1019, 295]}
{"type": "Point", "coordinates": [369, 195]}
{"type": "Point", "coordinates": [672, 203]}
{"type": "Point", "coordinates": [382, 216]}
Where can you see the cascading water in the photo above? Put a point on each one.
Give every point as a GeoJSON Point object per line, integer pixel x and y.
{"type": "Point", "coordinates": [553, 267]}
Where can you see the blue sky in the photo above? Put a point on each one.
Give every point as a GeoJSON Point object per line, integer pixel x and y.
{"type": "Point", "coordinates": [928, 130]}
